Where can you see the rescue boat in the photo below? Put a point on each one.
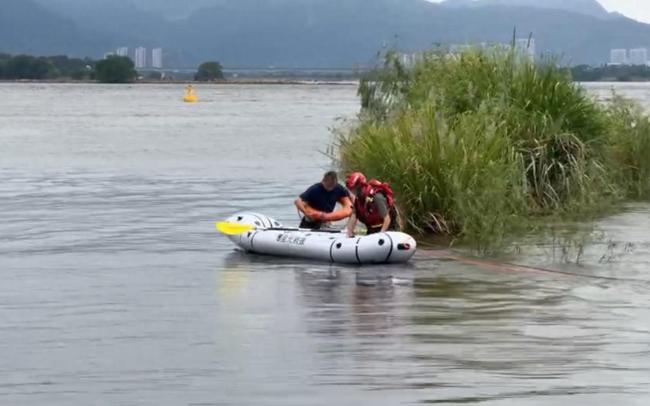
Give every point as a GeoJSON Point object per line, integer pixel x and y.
{"type": "Point", "coordinates": [264, 235]}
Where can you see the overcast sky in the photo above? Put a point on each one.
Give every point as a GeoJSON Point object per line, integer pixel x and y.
{"type": "Point", "coordinates": [637, 9]}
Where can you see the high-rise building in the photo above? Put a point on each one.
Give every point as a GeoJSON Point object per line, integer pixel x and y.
{"type": "Point", "coordinates": [410, 59]}
{"type": "Point", "coordinates": [618, 57]}
{"type": "Point", "coordinates": [157, 58]}
{"type": "Point", "coordinates": [140, 57]}
{"type": "Point", "coordinates": [638, 56]}
{"type": "Point", "coordinates": [122, 51]}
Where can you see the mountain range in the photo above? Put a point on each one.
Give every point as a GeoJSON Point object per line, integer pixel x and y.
{"type": "Point", "coordinates": [309, 33]}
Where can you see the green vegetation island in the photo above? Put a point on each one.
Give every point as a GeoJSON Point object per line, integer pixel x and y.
{"type": "Point", "coordinates": [485, 145]}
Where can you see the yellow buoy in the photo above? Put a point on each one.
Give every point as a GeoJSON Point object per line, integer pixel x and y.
{"type": "Point", "coordinates": [190, 96]}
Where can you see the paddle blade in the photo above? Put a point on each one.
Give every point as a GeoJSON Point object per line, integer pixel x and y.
{"type": "Point", "coordinates": [229, 228]}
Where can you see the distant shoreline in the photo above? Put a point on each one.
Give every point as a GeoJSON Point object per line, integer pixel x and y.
{"type": "Point", "coordinates": [250, 81]}
{"type": "Point", "coordinates": [239, 81]}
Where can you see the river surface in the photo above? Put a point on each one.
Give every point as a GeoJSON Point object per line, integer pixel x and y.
{"type": "Point", "coordinates": [116, 289]}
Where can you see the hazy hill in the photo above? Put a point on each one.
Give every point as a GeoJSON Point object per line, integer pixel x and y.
{"type": "Point", "coordinates": [312, 33]}
{"type": "Point", "coordinates": [120, 20]}
{"type": "Point", "coordinates": [27, 27]}
{"type": "Point", "coordinates": [588, 7]}
{"type": "Point", "coordinates": [343, 32]}
{"type": "Point", "coordinates": [169, 9]}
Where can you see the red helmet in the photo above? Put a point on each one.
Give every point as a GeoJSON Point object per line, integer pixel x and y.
{"type": "Point", "coordinates": [355, 179]}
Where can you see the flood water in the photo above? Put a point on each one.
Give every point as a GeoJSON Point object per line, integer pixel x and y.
{"type": "Point", "coordinates": [116, 289]}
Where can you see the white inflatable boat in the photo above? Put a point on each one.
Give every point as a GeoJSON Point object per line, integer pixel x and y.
{"type": "Point", "coordinates": [267, 236]}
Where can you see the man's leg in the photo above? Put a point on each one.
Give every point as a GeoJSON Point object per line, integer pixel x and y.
{"type": "Point", "coordinates": [310, 224]}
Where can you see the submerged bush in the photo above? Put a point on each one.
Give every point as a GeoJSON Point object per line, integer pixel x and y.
{"type": "Point", "coordinates": [477, 143]}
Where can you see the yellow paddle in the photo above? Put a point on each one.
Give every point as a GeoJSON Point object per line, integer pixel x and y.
{"type": "Point", "coordinates": [229, 228]}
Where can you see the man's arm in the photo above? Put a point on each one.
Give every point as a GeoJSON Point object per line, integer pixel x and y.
{"type": "Point", "coordinates": [309, 212]}
{"type": "Point", "coordinates": [345, 202]}
{"type": "Point", "coordinates": [386, 225]}
{"type": "Point", "coordinates": [382, 207]}
{"type": "Point", "coordinates": [352, 224]}
{"type": "Point", "coordinates": [300, 205]}
{"type": "Point", "coordinates": [344, 212]}
{"type": "Point", "coordinates": [346, 206]}
{"type": "Point", "coordinates": [301, 201]}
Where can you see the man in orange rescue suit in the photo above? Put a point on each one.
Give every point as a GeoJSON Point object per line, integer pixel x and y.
{"type": "Point", "coordinates": [374, 205]}
{"type": "Point", "coordinates": [318, 202]}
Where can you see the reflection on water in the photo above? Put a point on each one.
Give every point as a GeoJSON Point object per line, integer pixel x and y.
{"type": "Point", "coordinates": [117, 290]}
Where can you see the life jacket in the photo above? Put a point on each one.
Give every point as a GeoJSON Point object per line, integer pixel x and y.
{"type": "Point", "coordinates": [365, 206]}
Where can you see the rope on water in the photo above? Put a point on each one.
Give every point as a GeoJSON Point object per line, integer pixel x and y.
{"type": "Point", "coordinates": [450, 255]}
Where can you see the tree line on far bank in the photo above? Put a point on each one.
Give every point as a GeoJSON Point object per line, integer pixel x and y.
{"type": "Point", "coordinates": [114, 69]}
{"type": "Point", "coordinates": [39, 68]}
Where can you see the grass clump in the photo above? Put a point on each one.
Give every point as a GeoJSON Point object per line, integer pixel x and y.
{"type": "Point", "coordinates": [630, 146]}
{"type": "Point", "coordinates": [478, 144]}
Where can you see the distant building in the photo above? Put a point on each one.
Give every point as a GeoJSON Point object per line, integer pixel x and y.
{"type": "Point", "coordinates": [525, 47]}
{"type": "Point", "coordinates": [410, 59]}
{"type": "Point", "coordinates": [618, 57]}
{"type": "Point", "coordinates": [108, 55]}
{"type": "Point", "coordinates": [140, 57]}
{"type": "Point", "coordinates": [638, 56]}
{"type": "Point", "coordinates": [157, 58]}
{"type": "Point", "coordinates": [122, 51]}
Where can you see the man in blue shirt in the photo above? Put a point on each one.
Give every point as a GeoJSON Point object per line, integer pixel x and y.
{"type": "Point", "coordinates": [318, 202]}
